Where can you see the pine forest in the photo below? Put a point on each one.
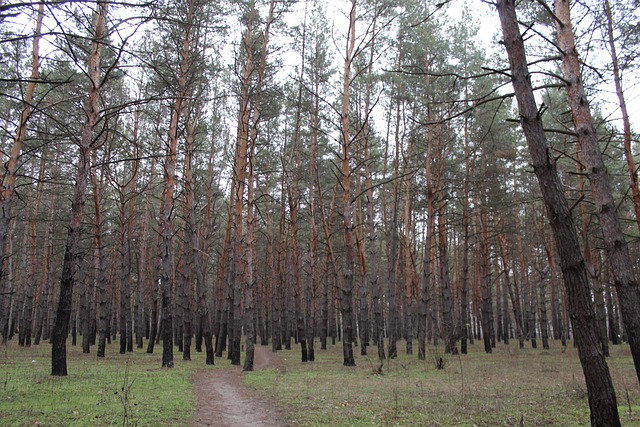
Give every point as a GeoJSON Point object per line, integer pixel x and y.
{"type": "Point", "coordinates": [195, 176]}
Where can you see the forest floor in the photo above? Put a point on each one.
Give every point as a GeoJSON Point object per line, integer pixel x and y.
{"type": "Point", "coordinates": [224, 400]}
{"type": "Point", "coordinates": [509, 387]}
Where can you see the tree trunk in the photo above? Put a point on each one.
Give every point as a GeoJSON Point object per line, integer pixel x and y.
{"type": "Point", "coordinates": [250, 285]}
{"type": "Point", "coordinates": [193, 253]}
{"type": "Point", "coordinates": [544, 330]}
{"type": "Point", "coordinates": [346, 294]}
{"type": "Point", "coordinates": [155, 294]}
{"type": "Point", "coordinates": [46, 281]}
{"type": "Point", "coordinates": [10, 174]}
{"type": "Point", "coordinates": [407, 263]}
{"type": "Point", "coordinates": [72, 246]}
{"type": "Point", "coordinates": [373, 282]}
{"type": "Point", "coordinates": [602, 398]}
{"type": "Point", "coordinates": [626, 123]}
{"type": "Point", "coordinates": [485, 287]}
{"type": "Point", "coordinates": [616, 246]}
{"type": "Point", "coordinates": [445, 285]}
{"type": "Point", "coordinates": [27, 319]}
{"type": "Point", "coordinates": [464, 278]}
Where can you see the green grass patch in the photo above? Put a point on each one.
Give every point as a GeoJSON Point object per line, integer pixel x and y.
{"type": "Point", "coordinates": [118, 390]}
{"type": "Point", "coordinates": [506, 388]}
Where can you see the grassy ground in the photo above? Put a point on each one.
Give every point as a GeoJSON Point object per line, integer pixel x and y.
{"type": "Point", "coordinates": [119, 390]}
{"type": "Point", "coordinates": [510, 387]}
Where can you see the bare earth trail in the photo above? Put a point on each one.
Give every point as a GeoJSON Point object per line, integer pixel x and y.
{"type": "Point", "coordinates": [223, 400]}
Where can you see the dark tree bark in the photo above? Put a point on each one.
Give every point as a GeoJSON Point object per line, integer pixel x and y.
{"type": "Point", "coordinates": [392, 245]}
{"type": "Point", "coordinates": [145, 274]}
{"type": "Point", "coordinates": [407, 262]}
{"type": "Point", "coordinates": [602, 398]}
{"type": "Point", "coordinates": [372, 279]}
{"type": "Point", "coordinates": [272, 274]}
{"type": "Point", "coordinates": [464, 277]}
{"type": "Point", "coordinates": [346, 291]}
{"type": "Point", "coordinates": [445, 285]}
{"type": "Point", "coordinates": [101, 282]}
{"type": "Point", "coordinates": [27, 318]}
{"type": "Point", "coordinates": [556, 312]}
{"type": "Point", "coordinates": [72, 246]}
{"type": "Point", "coordinates": [544, 321]}
{"type": "Point", "coordinates": [46, 280]}
{"type": "Point", "coordinates": [239, 176]}
{"type": "Point", "coordinates": [183, 90]}
{"type": "Point", "coordinates": [512, 289]}
{"type": "Point", "coordinates": [193, 253]}
{"type": "Point", "coordinates": [485, 284]}
{"type": "Point", "coordinates": [250, 285]}
{"type": "Point", "coordinates": [155, 294]}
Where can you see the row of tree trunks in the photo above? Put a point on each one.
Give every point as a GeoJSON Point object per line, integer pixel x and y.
{"type": "Point", "coordinates": [291, 302]}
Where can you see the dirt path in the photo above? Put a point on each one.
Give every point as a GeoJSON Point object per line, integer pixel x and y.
{"type": "Point", "coordinates": [225, 401]}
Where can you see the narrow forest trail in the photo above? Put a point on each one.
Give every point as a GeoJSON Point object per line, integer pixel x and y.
{"type": "Point", "coordinates": [224, 400]}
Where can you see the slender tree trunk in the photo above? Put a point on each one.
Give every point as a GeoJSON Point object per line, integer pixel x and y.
{"type": "Point", "coordinates": [544, 322]}
{"type": "Point", "coordinates": [506, 318]}
{"type": "Point", "coordinates": [373, 282]}
{"type": "Point", "coordinates": [27, 319]}
{"type": "Point", "coordinates": [194, 253]}
{"type": "Point", "coordinates": [72, 246]}
{"type": "Point", "coordinates": [626, 122]}
{"type": "Point", "coordinates": [101, 282]}
{"type": "Point", "coordinates": [272, 281]}
{"type": "Point", "coordinates": [327, 328]}
{"type": "Point", "coordinates": [45, 288]}
{"type": "Point", "coordinates": [250, 286]}
{"type": "Point", "coordinates": [222, 311]}
{"type": "Point", "coordinates": [167, 277]}
{"type": "Point", "coordinates": [346, 294]}
{"type": "Point", "coordinates": [407, 264]}
{"type": "Point", "coordinates": [526, 309]}
{"type": "Point", "coordinates": [464, 279]}
{"type": "Point", "coordinates": [556, 312]}
{"type": "Point", "coordinates": [25, 290]}
{"type": "Point", "coordinates": [445, 285]}
{"type": "Point", "coordinates": [485, 271]}
{"type": "Point", "coordinates": [84, 306]}
{"type": "Point", "coordinates": [155, 294]}
{"type": "Point", "coordinates": [315, 286]}
{"type": "Point", "coordinates": [392, 236]}
{"type": "Point", "coordinates": [124, 252]}
{"type": "Point", "coordinates": [10, 175]}
{"type": "Point", "coordinates": [145, 280]}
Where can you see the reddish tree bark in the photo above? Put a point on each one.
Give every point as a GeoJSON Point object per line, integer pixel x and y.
{"type": "Point", "coordinates": [8, 179]}
{"type": "Point", "coordinates": [626, 122]}
{"type": "Point", "coordinates": [616, 246]}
